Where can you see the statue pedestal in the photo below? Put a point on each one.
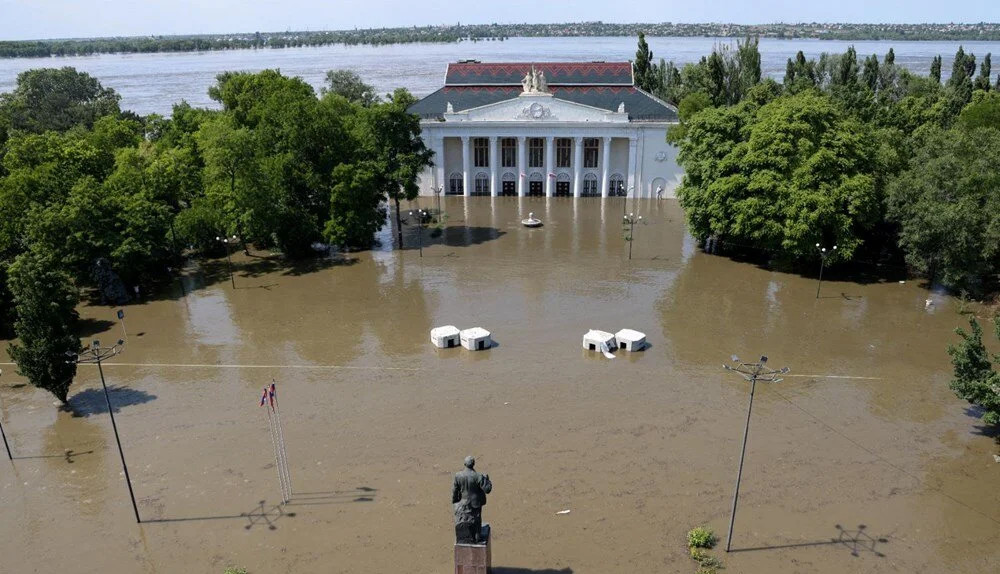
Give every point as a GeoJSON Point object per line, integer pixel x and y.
{"type": "Point", "coordinates": [474, 558]}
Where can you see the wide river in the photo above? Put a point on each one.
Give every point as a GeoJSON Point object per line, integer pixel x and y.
{"type": "Point", "coordinates": [152, 83]}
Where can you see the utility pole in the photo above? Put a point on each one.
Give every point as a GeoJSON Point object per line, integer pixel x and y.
{"type": "Point", "coordinates": [823, 253]}
{"type": "Point", "coordinates": [630, 220]}
{"type": "Point", "coordinates": [421, 216]}
{"type": "Point", "coordinates": [95, 354]}
{"type": "Point", "coordinates": [225, 242]}
{"type": "Point", "coordinates": [4, 435]}
{"type": "Point", "coordinates": [752, 372]}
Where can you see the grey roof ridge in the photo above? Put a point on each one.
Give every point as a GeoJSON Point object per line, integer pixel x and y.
{"type": "Point", "coordinates": [658, 100]}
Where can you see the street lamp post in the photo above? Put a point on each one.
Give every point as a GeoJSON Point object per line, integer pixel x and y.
{"type": "Point", "coordinates": [438, 191]}
{"type": "Point", "coordinates": [630, 220]}
{"type": "Point", "coordinates": [226, 241]}
{"type": "Point", "coordinates": [4, 435]}
{"type": "Point", "coordinates": [95, 354]}
{"type": "Point", "coordinates": [752, 372]}
{"type": "Point", "coordinates": [421, 216]}
{"type": "Point", "coordinates": [625, 200]}
{"type": "Point", "coordinates": [823, 254]}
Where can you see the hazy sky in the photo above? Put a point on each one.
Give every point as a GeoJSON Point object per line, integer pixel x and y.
{"type": "Point", "coordinates": [31, 19]}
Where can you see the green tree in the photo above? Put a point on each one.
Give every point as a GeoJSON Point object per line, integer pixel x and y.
{"type": "Point", "coordinates": [390, 138]}
{"type": "Point", "coordinates": [348, 84]}
{"type": "Point", "coordinates": [56, 99]}
{"type": "Point", "coordinates": [975, 379]}
{"type": "Point", "coordinates": [356, 208]}
{"type": "Point", "coordinates": [947, 209]}
{"type": "Point", "coordinates": [642, 67]}
{"type": "Point", "coordinates": [936, 69]}
{"type": "Point", "coordinates": [782, 176]}
{"type": "Point", "coordinates": [45, 300]}
{"type": "Point", "coordinates": [983, 79]}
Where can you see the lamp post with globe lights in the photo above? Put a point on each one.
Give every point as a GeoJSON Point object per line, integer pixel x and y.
{"type": "Point", "coordinates": [226, 241]}
{"type": "Point", "coordinates": [823, 254]}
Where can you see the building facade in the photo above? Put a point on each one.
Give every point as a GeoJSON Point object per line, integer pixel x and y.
{"type": "Point", "coordinates": [547, 129]}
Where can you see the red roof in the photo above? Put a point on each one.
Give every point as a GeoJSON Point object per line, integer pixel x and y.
{"type": "Point", "coordinates": [556, 73]}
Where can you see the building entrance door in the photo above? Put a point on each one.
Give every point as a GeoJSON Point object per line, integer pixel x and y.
{"type": "Point", "coordinates": [562, 189]}
{"type": "Point", "coordinates": [508, 188]}
{"type": "Point", "coordinates": [535, 188]}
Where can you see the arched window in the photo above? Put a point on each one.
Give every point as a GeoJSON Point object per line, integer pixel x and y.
{"type": "Point", "coordinates": [563, 177]}
{"type": "Point", "coordinates": [536, 177]}
{"type": "Point", "coordinates": [456, 186]}
{"type": "Point", "coordinates": [590, 185]}
{"type": "Point", "coordinates": [616, 185]}
{"type": "Point", "coordinates": [482, 184]}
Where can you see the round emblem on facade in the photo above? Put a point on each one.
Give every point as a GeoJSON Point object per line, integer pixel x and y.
{"type": "Point", "coordinates": [660, 156]}
{"type": "Point", "coordinates": [537, 111]}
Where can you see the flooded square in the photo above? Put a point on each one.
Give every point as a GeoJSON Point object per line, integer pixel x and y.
{"type": "Point", "coordinates": [860, 460]}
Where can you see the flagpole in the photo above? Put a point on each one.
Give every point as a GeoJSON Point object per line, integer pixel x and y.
{"type": "Point", "coordinates": [281, 440]}
{"type": "Point", "coordinates": [274, 445]}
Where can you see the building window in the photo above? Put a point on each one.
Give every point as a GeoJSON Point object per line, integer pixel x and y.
{"type": "Point", "coordinates": [589, 184]}
{"type": "Point", "coordinates": [455, 184]}
{"type": "Point", "coordinates": [590, 152]}
{"type": "Point", "coordinates": [564, 151]}
{"type": "Point", "coordinates": [536, 152]}
{"type": "Point", "coordinates": [508, 152]}
{"type": "Point", "coordinates": [482, 184]}
{"type": "Point", "coordinates": [481, 152]}
{"type": "Point", "coordinates": [617, 185]}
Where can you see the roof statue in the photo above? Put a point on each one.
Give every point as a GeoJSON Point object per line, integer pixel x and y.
{"type": "Point", "coordinates": [534, 82]}
{"type": "Point", "coordinates": [449, 109]}
{"type": "Point", "coordinates": [621, 108]}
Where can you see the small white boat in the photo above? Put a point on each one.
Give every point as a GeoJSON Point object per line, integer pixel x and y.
{"type": "Point", "coordinates": [531, 221]}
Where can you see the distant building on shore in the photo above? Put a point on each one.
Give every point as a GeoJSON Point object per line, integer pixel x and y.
{"type": "Point", "coordinates": [547, 129]}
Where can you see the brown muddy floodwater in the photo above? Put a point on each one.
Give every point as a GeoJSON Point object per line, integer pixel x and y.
{"type": "Point", "coordinates": [640, 448]}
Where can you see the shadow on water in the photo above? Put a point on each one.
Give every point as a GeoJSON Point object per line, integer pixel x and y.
{"type": "Point", "coordinates": [69, 456]}
{"type": "Point", "coordinates": [89, 327]}
{"type": "Point", "coordinates": [507, 570]}
{"type": "Point", "coordinates": [990, 431]}
{"type": "Point", "coordinates": [359, 494]}
{"type": "Point", "coordinates": [91, 401]}
{"type": "Point", "coordinates": [452, 236]}
{"type": "Point", "coordinates": [261, 515]}
{"type": "Point", "coordinates": [857, 540]}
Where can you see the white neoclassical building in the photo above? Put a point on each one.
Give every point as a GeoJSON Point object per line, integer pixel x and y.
{"type": "Point", "coordinates": [546, 129]}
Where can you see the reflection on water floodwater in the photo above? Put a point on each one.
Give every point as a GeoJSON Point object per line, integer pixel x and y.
{"type": "Point", "coordinates": [641, 448]}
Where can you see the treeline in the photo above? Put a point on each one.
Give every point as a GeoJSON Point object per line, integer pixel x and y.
{"type": "Point", "coordinates": [476, 32]}
{"type": "Point", "coordinates": [96, 199]}
{"type": "Point", "coordinates": [849, 150]}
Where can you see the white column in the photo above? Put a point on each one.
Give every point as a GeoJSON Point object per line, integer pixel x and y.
{"type": "Point", "coordinates": [605, 166]}
{"type": "Point", "coordinates": [439, 173]}
{"type": "Point", "coordinates": [550, 166]}
{"type": "Point", "coordinates": [639, 154]}
{"type": "Point", "coordinates": [522, 166]}
{"type": "Point", "coordinates": [494, 164]}
{"type": "Point", "coordinates": [633, 144]}
{"type": "Point", "coordinates": [577, 166]}
{"type": "Point", "coordinates": [465, 166]}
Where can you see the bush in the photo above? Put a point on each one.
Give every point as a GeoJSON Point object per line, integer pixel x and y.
{"type": "Point", "coordinates": [235, 570]}
{"type": "Point", "coordinates": [704, 559]}
{"type": "Point", "coordinates": [701, 537]}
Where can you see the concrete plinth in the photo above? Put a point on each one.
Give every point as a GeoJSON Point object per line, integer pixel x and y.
{"type": "Point", "coordinates": [474, 558]}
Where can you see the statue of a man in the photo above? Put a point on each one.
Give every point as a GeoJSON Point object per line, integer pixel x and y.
{"type": "Point", "coordinates": [468, 496]}
{"type": "Point", "coordinates": [528, 82]}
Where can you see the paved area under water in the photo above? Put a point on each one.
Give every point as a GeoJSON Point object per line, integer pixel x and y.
{"type": "Point", "coordinates": [861, 461]}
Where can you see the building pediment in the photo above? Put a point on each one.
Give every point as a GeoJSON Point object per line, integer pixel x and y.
{"type": "Point", "coordinates": [532, 107]}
